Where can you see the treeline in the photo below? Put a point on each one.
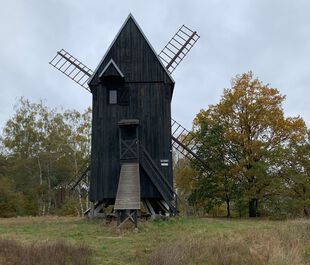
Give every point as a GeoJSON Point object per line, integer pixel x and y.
{"type": "Point", "coordinates": [259, 160]}
{"type": "Point", "coordinates": [41, 148]}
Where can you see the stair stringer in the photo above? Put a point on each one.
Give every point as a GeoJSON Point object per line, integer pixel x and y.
{"type": "Point", "coordinates": [158, 179]}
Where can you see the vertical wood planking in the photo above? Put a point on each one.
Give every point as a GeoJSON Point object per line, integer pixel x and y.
{"type": "Point", "coordinates": [150, 98]}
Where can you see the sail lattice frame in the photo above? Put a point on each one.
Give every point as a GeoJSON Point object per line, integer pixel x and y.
{"type": "Point", "coordinates": [178, 47]}
{"type": "Point", "coordinates": [72, 67]}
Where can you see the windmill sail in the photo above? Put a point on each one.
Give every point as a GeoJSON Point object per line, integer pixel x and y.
{"type": "Point", "coordinates": [186, 143]}
{"type": "Point", "coordinates": [72, 67]}
{"type": "Point", "coordinates": [178, 47]}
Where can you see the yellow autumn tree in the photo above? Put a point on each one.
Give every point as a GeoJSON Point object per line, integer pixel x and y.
{"type": "Point", "coordinates": [252, 120]}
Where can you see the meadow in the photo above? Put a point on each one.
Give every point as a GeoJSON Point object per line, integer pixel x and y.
{"type": "Point", "coordinates": [71, 240]}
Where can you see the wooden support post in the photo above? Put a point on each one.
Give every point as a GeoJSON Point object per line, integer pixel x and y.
{"type": "Point", "coordinates": [92, 210]}
{"type": "Point", "coordinates": [136, 219]}
{"type": "Point", "coordinates": [118, 216]}
{"type": "Point", "coordinates": [124, 215]}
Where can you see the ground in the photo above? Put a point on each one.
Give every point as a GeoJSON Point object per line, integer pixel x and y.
{"type": "Point", "coordinates": [176, 241]}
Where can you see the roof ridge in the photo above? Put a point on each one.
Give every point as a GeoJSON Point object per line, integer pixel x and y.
{"type": "Point", "coordinates": [115, 38]}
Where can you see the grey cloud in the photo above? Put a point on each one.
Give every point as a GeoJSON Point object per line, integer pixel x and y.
{"type": "Point", "coordinates": [269, 37]}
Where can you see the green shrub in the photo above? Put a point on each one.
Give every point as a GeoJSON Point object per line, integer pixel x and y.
{"type": "Point", "coordinates": [69, 208]}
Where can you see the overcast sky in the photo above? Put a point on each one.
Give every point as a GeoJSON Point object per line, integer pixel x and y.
{"type": "Point", "coordinates": [271, 38]}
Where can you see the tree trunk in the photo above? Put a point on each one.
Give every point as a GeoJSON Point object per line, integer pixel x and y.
{"type": "Point", "coordinates": [307, 212]}
{"type": "Point", "coordinates": [78, 187]}
{"type": "Point", "coordinates": [228, 207]}
{"type": "Point", "coordinates": [253, 208]}
{"type": "Point", "coordinates": [43, 208]}
{"type": "Point", "coordinates": [80, 199]}
{"type": "Point", "coordinates": [40, 171]}
{"type": "Point", "coordinates": [87, 203]}
{"type": "Point", "coordinates": [41, 198]}
{"type": "Point", "coordinates": [49, 191]}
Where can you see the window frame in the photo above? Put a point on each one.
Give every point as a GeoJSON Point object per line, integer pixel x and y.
{"type": "Point", "coordinates": [113, 97]}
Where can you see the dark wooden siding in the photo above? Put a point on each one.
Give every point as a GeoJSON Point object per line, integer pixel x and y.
{"type": "Point", "coordinates": [150, 90]}
{"type": "Point", "coordinates": [134, 57]}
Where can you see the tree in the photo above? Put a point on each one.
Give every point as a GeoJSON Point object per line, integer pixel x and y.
{"type": "Point", "coordinates": [47, 147]}
{"type": "Point", "coordinates": [185, 176]}
{"type": "Point", "coordinates": [296, 173]}
{"type": "Point", "coordinates": [254, 128]}
{"type": "Point", "coordinates": [217, 185]}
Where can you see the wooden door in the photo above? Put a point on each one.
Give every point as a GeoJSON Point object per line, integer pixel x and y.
{"type": "Point", "coordinates": [129, 147]}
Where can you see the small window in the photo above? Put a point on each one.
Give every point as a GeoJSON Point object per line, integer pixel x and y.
{"type": "Point", "coordinates": [112, 96]}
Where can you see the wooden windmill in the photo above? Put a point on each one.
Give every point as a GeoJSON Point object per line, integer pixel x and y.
{"type": "Point", "coordinates": [132, 129]}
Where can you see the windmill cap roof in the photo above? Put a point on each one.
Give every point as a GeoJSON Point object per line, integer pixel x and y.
{"type": "Point", "coordinates": [130, 16]}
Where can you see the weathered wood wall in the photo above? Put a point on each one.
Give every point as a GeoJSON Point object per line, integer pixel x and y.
{"type": "Point", "coordinates": [149, 90]}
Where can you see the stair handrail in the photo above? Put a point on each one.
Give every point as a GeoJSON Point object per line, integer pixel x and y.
{"type": "Point", "coordinates": [160, 175]}
{"type": "Point", "coordinates": [148, 156]}
{"type": "Point", "coordinates": [155, 178]}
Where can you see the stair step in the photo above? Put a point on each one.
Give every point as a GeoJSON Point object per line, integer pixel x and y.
{"type": "Point", "coordinates": [128, 191]}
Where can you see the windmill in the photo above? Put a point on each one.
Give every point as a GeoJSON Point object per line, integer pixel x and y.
{"type": "Point", "coordinates": [132, 129]}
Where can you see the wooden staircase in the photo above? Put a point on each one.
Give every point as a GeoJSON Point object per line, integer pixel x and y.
{"type": "Point", "coordinates": [127, 202]}
{"type": "Point", "coordinates": [128, 191]}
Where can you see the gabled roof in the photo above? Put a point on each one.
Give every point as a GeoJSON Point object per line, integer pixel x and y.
{"type": "Point", "coordinates": [116, 37]}
{"type": "Point", "coordinates": [112, 64]}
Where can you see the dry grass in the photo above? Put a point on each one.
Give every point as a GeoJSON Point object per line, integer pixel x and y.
{"type": "Point", "coordinates": [176, 241]}
{"type": "Point", "coordinates": [57, 253]}
{"type": "Point", "coordinates": [281, 246]}
{"type": "Point", "coordinates": [34, 220]}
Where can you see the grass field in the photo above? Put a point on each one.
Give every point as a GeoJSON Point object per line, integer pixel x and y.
{"type": "Point", "coordinates": [176, 241]}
